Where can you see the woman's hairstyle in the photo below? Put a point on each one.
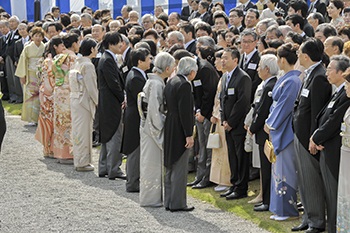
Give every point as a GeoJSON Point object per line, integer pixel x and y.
{"type": "Point", "coordinates": [37, 30]}
{"type": "Point", "coordinates": [162, 61]}
{"type": "Point", "coordinates": [55, 41]}
{"type": "Point", "coordinates": [86, 46]}
{"type": "Point", "coordinates": [289, 52]}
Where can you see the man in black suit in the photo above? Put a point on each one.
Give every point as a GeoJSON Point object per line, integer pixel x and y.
{"type": "Point", "coordinates": [296, 22]}
{"type": "Point", "coordinates": [6, 35]}
{"type": "Point", "coordinates": [125, 52]}
{"type": "Point", "coordinates": [205, 15]}
{"type": "Point", "coordinates": [268, 70]}
{"type": "Point", "coordinates": [235, 103]}
{"type": "Point", "coordinates": [308, 104]}
{"type": "Point", "coordinates": [317, 6]}
{"type": "Point", "coordinates": [326, 138]}
{"type": "Point", "coordinates": [186, 10]}
{"type": "Point", "coordinates": [300, 7]}
{"type": "Point", "coordinates": [187, 31]}
{"type": "Point", "coordinates": [246, 5]}
{"type": "Point", "coordinates": [111, 97]}
{"type": "Point", "coordinates": [178, 137]}
{"type": "Point", "coordinates": [136, 79]}
{"type": "Point", "coordinates": [204, 90]}
{"type": "Point", "coordinates": [2, 124]}
{"type": "Point", "coordinates": [236, 17]}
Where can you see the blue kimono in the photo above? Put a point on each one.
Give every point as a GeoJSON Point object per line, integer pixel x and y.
{"type": "Point", "coordinates": [283, 172]}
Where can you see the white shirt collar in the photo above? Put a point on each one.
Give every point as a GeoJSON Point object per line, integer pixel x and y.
{"type": "Point", "coordinates": [249, 56]}
{"type": "Point", "coordinates": [124, 54]}
{"type": "Point", "coordinates": [113, 55]}
{"type": "Point", "coordinates": [340, 87]}
{"type": "Point", "coordinates": [267, 80]}
{"type": "Point", "coordinates": [141, 71]}
{"type": "Point", "coordinates": [188, 43]}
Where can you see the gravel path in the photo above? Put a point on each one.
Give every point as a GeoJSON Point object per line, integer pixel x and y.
{"type": "Point", "coordinates": [40, 195]}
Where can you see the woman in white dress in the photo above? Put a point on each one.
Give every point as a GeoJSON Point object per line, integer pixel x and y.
{"type": "Point", "coordinates": [152, 112]}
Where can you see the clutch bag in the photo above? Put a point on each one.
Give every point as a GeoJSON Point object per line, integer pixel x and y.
{"type": "Point", "coordinates": [214, 141]}
{"type": "Point", "coordinates": [268, 150]}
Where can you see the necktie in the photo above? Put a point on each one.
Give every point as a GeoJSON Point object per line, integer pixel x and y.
{"type": "Point", "coordinates": [245, 61]}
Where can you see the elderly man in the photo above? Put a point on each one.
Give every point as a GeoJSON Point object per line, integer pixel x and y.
{"type": "Point", "coordinates": [75, 20]}
{"type": "Point", "coordinates": [175, 37]}
{"type": "Point", "coordinates": [174, 19]}
{"type": "Point", "coordinates": [114, 25]}
{"type": "Point", "coordinates": [178, 137]}
{"type": "Point", "coordinates": [134, 17]}
{"type": "Point", "coordinates": [147, 21]}
{"type": "Point", "coordinates": [324, 31]}
{"type": "Point", "coordinates": [98, 32]}
{"type": "Point", "coordinates": [86, 21]}
{"type": "Point", "coordinates": [125, 12]}
{"type": "Point", "coordinates": [333, 46]}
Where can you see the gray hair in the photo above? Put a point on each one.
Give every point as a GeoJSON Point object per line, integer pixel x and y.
{"type": "Point", "coordinates": [206, 41]}
{"type": "Point", "coordinates": [86, 16]}
{"type": "Point", "coordinates": [151, 18]}
{"type": "Point", "coordinates": [134, 12]}
{"type": "Point", "coordinates": [178, 35]}
{"type": "Point", "coordinates": [15, 18]}
{"type": "Point", "coordinates": [75, 17]}
{"type": "Point", "coordinates": [162, 61]}
{"type": "Point", "coordinates": [326, 29]}
{"type": "Point", "coordinates": [5, 23]}
{"type": "Point", "coordinates": [186, 65]}
{"type": "Point", "coordinates": [125, 39]}
{"type": "Point", "coordinates": [343, 62]}
{"type": "Point", "coordinates": [285, 29]}
{"type": "Point", "coordinates": [274, 29]}
{"type": "Point", "coordinates": [267, 22]}
{"type": "Point", "coordinates": [249, 32]}
{"type": "Point", "coordinates": [269, 61]}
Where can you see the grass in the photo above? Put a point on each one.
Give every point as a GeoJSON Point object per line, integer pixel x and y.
{"type": "Point", "coordinates": [242, 208]}
{"type": "Point", "coordinates": [13, 109]}
{"type": "Point", "coordinates": [239, 207]}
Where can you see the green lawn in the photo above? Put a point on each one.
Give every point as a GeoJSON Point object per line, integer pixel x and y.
{"type": "Point", "coordinates": [13, 109]}
{"type": "Point", "coordinates": [242, 208]}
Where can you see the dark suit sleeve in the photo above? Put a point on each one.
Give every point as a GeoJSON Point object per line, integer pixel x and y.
{"type": "Point", "coordinates": [262, 112]}
{"type": "Point", "coordinates": [209, 82]}
{"type": "Point", "coordinates": [331, 127]}
{"type": "Point", "coordinates": [112, 79]}
{"type": "Point", "coordinates": [185, 103]}
{"type": "Point", "coordinates": [136, 86]}
{"type": "Point", "coordinates": [242, 105]}
{"type": "Point", "coordinates": [318, 98]}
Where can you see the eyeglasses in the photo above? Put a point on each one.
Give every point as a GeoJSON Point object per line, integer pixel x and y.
{"type": "Point", "coordinates": [247, 41]}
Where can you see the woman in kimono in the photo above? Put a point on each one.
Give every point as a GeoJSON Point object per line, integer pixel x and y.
{"type": "Point", "coordinates": [62, 64]}
{"type": "Point", "coordinates": [343, 206]}
{"type": "Point", "coordinates": [220, 172]}
{"type": "Point", "coordinates": [83, 102]}
{"type": "Point", "coordinates": [44, 132]}
{"type": "Point", "coordinates": [27, 72]}
{"type": "Point", "coordinates": [151, 131]}
{"type": "Point", "coordinates": [279, 125]}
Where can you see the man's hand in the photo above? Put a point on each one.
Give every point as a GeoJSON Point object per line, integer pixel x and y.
{"type": "Point", "coordinates": [189, 142]}
{"type": "Point", "coordinates": [199, 117]}
{"type": "Point", "coordinates": [227, 127]}
{"type": "Point", "coordinates": [266, 129]}
{"type": "Point", "coordinates": [23, 80]}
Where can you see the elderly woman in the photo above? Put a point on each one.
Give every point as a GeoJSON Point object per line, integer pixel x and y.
{"type": "Point", "coordinates": [151, 131]}
{"type": "Point", "coordinates": [267, 70]}
{"type": "Point", "coordinates": [279, 126]}
{"type": "Point", "coordinates": [83, 102]}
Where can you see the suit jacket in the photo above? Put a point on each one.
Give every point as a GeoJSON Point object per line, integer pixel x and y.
{"type": "Point", "coordinates": [283, 6]}
{"type": "Point", "coordinates": [235, 100]}
{"type": "Point", "coordinates": [328, 133]}
{"type": "Point", "coordinates": [131, 133]}
{"type": "Point", "coordinates": [204, 87]}
{"type": "Point", "coordinates": [127, 65]}
{"type": "Point", "coordinates": [308, 29]}
{"type": "Point", "coordinates": [207, 17]}
{"type": "Point", "coordinates": [185, 13]}
{"type": "Point", "coordinates": [195, 14]}
{"type": "Point", "coordinates": [179, 118]}
{"type": "Point", "coordinates": [111, 96]}
{"type": "Point", "coordinates": [309, 103]}
{"type": "Point", "coordinates": [248, 6]}
{"type": "Point", "coordinates": [251, 70]}
{"type": "Point", "coordinates": [18, 50]}
{"type": "Point", "coordinates": [318, 7]}
{"type": "Point", "coordinates": [261, 112]}
{"type": "Point", "coordinates": [11, 44]}
{"type": "Point", "coordinates": [192, 48]}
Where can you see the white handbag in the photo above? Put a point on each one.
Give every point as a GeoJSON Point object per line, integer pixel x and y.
{"type": "Point", "coordinates": [214, 141]}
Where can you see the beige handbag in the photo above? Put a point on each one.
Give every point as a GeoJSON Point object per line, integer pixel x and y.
{"type": "Point", "coordinates": [268, 150]}
{"type": "Point", "coordinates": [214, 141]}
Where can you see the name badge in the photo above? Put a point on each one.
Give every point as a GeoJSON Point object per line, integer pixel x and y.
{"type": "Point", "coordinates": [125, 69]}
{"type": "Point", "coordinates": [343, 127]}
{"type": "Point", "coordinates": [231, 91]}
{"type": "Point", "coordinates": [305, 93]}
{"type": "Point", "coordinates": [16, 37]}
{"type": "Point", "coordinates": [197, 83]}
{"type": "Point", "coordinates": [330, 105]}
{"type": "Point", "coordinates": [252, 66]}
{"type": "Point", "coordinates": [314, 10]}
{"type": "Point", "coordinates": [257, 100]}
{"type": "Point", "coordinates": [98, 55]}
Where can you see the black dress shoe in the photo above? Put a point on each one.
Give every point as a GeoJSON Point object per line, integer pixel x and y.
{"type": "Point", "coordinates": [102, 176]}
{"type": "Point", "coordinates": [259, 204]}
{"type": "Point", "coordinates": [228, 192]}
{"type": "Point", "coordinates": [314, 230]}
{"type": "Point", "coordinates": [201, 185]}
{"type": "Point", "coordinates": [167, 208]}
{"type": "Point", "coordinates": [236, 195]}
{"type": "Point", "coordinates": [193, 182]}
{"type": "Point", "coordinates": [301, 227]}
{"type": "Point", "coordinates": [121, 176]}
{"type": "Point", "coordinates": [186, 209]}
{"type": "Point", "coordinates": [262, 207]}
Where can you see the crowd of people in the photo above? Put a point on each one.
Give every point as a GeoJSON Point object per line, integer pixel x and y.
{"type": "Point", "coordinates": [154, 88]}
